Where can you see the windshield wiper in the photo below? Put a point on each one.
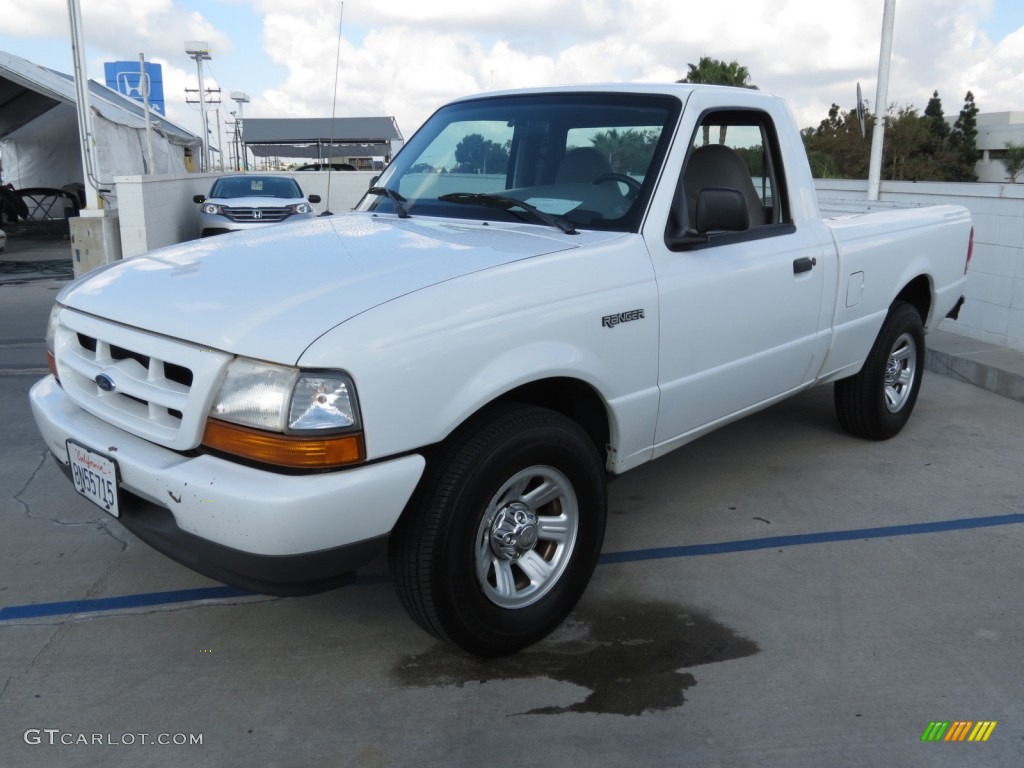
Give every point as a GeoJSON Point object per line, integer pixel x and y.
{"type": "Point", "coordinates": [395, 198]}
{"type": "Point", "coordinates": [506, 203]}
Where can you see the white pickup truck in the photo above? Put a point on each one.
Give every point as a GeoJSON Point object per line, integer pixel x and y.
{"type": "Point", "coordinates": [546, 287]}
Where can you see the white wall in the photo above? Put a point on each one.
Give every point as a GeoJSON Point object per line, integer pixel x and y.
{"type": "Point", "coordinates": [994, 311]}
{"type": "Point", "coordinates": [158, 210]}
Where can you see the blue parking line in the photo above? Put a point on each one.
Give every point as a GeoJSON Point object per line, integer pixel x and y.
{"type": "Point", "coordinates": [658, 553]}
{"type": "Point", "coordinates": [771, 542]}
{"type": "Point", "coordinates": [118, 603]}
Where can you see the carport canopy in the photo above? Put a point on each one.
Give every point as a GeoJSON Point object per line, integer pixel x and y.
{"type": "Point", "coordinates": [39, 129]}
{"type": "Point", "coordinates": [321, 137]}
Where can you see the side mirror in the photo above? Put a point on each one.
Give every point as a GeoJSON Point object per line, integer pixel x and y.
{"type": "Point", "coordinates": [373, 180]}
{"type": "Point", "coordinates": [718, 209]}
{"type": "Point", "coordinates": [198, 198]}
{"type": "Point", "coordinates": [314, 198]}
{"type": "Point", "coordinates": [721, 209]}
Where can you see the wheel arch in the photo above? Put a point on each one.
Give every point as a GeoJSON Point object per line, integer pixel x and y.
{"type": "Point", "coordinates": [918, 293]}
{"type": "Point", "coordinates": [574, 398]}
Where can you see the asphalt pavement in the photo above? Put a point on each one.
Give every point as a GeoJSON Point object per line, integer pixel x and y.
{"type": "Point", "coordinates": [774, 594]}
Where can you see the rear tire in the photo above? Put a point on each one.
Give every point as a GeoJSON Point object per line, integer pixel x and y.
{"type": "Point", "coordinates": [878, 401]}
{"type": "Point", "coordinates": [503, 534]}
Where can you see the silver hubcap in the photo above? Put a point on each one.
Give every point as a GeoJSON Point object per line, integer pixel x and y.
{"type": "Point", "coordinates": [899, 372]}
{"type": "Point", "coordinates": [526, 537]}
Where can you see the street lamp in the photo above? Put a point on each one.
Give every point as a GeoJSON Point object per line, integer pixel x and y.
{"type": "Point", "coordinates": [241, 98]}
{"type": "Point", "coordinates": [199, 50]}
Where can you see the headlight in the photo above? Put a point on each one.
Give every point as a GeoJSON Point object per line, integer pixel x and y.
{"type": "Point", "coordinates": [302, 208]}
{"type": "Point", "coordinates": [51, 332]}
{"type": "Point", "coordinates": [285, 416]}
{"type": "Point", "coordinates": [211, 208]}
{"type": "Point", "coordinates": [255, 394]}
{"type": "Point", "coordinates": [322, 401]}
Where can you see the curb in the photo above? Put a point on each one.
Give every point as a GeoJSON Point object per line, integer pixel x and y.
{"type": "Point", "coordinates": [988, 366]}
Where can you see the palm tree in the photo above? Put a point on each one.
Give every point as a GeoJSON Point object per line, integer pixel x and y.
{"type": "Point", "coordinates": [711, 71]}
{"type": "Point", "coordinates": [1013, 160]}
{"type": "Point", "coordinates": [717, 72]}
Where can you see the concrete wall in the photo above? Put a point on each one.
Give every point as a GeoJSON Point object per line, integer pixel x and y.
{"type": "Point", "coordinates": [158, 210]}
{"type": "Point", "coordinates": [994, 311]}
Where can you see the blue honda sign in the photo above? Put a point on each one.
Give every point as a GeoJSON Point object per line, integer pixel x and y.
{"type": "Point", "coordinates": [125, 77]}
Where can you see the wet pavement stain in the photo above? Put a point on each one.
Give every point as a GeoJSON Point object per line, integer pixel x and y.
{"type": "Point", "coordinates": [628, 654]}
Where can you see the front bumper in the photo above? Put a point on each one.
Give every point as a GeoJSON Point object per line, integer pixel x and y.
{"type": "Point", "coordinates": [259, 530]}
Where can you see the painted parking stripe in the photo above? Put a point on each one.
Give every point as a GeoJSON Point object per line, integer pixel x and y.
{"type": "Point", "coordinates": [658, 553]}
{"type": "Point", "coordinates": [773, 542]}
{"type": "Point", "coordinates": [119, 603]}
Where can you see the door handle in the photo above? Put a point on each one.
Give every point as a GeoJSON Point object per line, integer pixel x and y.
{"type": "Point", "coordinates": [803, 264]}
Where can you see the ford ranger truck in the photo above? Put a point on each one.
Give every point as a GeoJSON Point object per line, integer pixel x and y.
{"type": "Point", "coordinates": [545, 288]}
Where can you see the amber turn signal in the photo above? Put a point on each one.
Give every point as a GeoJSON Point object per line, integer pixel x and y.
{"type": "Point", "coordinates": [296, 452]}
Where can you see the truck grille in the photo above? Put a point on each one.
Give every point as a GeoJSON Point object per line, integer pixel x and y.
{"type": "Point", "coordinates": [257, 215]}
{"type": "Point", "coordinates": [157, 388]}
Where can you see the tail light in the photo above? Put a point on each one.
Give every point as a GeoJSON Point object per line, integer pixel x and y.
{"type": "Point", "coordinates": [970, 251]}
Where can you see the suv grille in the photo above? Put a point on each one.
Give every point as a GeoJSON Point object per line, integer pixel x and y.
{"type": "Point", "coordinates": [260, 215]}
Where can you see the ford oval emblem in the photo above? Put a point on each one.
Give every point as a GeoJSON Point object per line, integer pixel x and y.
{"type": "Point", "coordinates": [104, 382]}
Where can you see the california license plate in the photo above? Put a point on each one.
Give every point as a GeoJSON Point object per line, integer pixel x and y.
{"type": "Point", "coordinates": [94, 476]}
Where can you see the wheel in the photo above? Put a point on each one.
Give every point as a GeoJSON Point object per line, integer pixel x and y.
{"type": "Point", "coordinates": [877, 402]}
{"type": "Point", "coordinates": [504, 531]}
{"type": "Point", "coordinates": [633, 186]}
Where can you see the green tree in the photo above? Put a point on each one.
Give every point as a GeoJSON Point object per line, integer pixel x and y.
{"type": "Point", "coordinates": [836, 146]}
{"type": "Point", "coordinates": [629, 151]}
{"type": "Point", "coordinates": [1013, 160]}
{"type": "Point", "coordinates": [917, 147]}
{"type": "Point", "coordinates": [964, 140]}
{"type": "Point", "coordinates": [709, 71]}
{"type": "Point", "coordinates": [717, 72]}
{"type": "Point", "coordinates": [475, 154]}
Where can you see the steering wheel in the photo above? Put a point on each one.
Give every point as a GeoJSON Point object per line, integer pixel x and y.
{"type": "Point", "coordinates": [632, 184]}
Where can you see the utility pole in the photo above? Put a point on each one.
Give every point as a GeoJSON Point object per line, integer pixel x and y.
{"type": "Point", "coordinates": [85, 126]}
{"type": "Point", "coordinates": [199, 50]}
{"type": "Point", "coordinates": [144, 82]}
{"type": "Point", "coordinates": [881, 100]}
{"type": "Point", "coordinates": [241, 98]}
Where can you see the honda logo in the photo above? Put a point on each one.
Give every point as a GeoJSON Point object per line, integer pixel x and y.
{"type": "Point", "coordinates": [257, 214]}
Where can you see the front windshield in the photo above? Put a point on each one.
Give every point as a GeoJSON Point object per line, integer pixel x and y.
{"type": "Point", "coordinates": [589, 158]}
{"type": "Point", "coordinates": [255, 186]}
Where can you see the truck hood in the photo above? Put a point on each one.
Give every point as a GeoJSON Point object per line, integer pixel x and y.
{"type": "Point", "coordinates": [255, 202]}
{"type": "Point", "coordinates": [271, 292]}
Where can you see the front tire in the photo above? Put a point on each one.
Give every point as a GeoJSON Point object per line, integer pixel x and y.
{"type": "Point", "coordinates": [503, 533]}
{"type": "Point", "coordinates": [878, 401]}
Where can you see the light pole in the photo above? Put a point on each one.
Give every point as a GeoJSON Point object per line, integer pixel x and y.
{"type": "Point", "coordinates": [198, 50]}
{"type": "Point", "coordinates": [241, 98]}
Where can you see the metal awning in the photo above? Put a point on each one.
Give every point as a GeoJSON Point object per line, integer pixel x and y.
{"type": "Point", "coordinates": [316, 137]}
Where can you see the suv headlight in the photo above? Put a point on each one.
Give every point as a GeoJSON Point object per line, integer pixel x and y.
{"type": "Point", "coordinates": [211, 208]}
{"type": "Point", "coordinates": [51, 333]}
{"type": "Point", "coordinates": [286, 416]}
{"type": "Point", "coordinates": [301, 208]}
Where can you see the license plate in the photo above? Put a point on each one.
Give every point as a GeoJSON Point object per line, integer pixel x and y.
{"type": "Point", "coordinates": [94, 476]}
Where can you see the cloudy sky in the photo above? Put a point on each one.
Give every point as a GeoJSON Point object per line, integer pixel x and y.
{"type": "Point", "coordinates": [406, 57]}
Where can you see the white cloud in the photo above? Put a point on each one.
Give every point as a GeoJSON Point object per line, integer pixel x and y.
{"type": "Point", "coordinates": [406, 57]}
